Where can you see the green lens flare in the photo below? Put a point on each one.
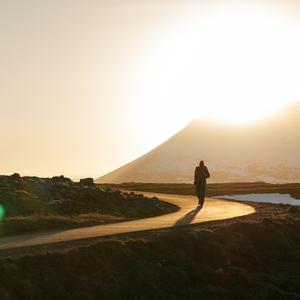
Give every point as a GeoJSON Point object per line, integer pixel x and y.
{"type": "Point", "coordinates": [2, 212]}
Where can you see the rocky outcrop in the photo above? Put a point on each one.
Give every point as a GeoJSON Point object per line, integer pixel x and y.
{"type": "Point", "coordinates": [87, 182]}
{"type": "Point", "coordinates": [24, 196]}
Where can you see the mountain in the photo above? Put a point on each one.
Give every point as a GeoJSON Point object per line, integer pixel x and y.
{"type": "Point", "coordinates": [263, 151]}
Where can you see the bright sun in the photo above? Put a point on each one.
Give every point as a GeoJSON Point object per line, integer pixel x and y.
{"type": "Point", "coordinates": [234, 67]}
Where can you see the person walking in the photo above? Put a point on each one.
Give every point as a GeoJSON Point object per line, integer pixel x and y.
{"type": "Point", "coordinates": [201, 174]}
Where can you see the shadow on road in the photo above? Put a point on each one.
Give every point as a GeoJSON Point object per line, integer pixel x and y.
{"type": "Point", "coordinates": [188, 218]}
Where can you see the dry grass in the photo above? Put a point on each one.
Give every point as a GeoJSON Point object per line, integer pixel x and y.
{"type": "Point", "coordinates": [40, 222]}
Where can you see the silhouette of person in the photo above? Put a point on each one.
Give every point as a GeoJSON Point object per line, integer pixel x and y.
{"type": "Point", "coordinates": [201, 174]}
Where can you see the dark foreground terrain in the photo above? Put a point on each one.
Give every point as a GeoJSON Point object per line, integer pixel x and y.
{"type": "Point", "coordinates": [213, 189]}
{"type": "Point", "coordinates": [29, 204]}
{"type": "Point", "coordinates": [253, 257]}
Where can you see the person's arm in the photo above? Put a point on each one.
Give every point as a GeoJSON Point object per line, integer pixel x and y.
{"type": "Point", "coordinates": [207, 173]}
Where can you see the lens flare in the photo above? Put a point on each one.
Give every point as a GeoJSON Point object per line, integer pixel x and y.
{"type": "Point", "coordinates": [2, 212]}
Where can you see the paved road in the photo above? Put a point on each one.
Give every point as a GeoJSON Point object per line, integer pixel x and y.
{"type": "Point", "coordinates": [188, 214]}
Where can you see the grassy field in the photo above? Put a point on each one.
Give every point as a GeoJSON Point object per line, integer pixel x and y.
{"type": "Point", "coordinates": [214, 189]}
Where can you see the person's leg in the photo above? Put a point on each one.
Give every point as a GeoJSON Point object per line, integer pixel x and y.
{"type": "Point", "coordinates": [202, 194]}
{"type": "Point", "coordinates": [202, 200]}
{"type": "Point", "coordinates": [198, 193]}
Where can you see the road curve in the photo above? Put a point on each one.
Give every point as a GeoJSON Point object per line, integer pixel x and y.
{"type": "Point", "coordinates": [214, 209]}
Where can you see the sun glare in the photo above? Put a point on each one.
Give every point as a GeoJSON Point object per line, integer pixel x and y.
{"type": "Point", "coordinates": [234, 67]}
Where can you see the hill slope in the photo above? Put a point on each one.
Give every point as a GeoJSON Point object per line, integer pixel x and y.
{"type": "Point", "coordinates": [267, 151]}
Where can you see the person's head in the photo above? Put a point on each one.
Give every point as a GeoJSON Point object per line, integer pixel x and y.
{"type": "Point", "coordinates": [201, 164]}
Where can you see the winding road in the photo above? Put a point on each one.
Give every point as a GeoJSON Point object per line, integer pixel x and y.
{"type": "Point", "coordinates": [214, 209]}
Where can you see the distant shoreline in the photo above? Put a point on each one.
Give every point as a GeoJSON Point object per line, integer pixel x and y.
{"type": "Point", "coordinates": [213, 189]}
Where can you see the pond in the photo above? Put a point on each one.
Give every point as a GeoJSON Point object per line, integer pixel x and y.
{"type": "Point", "coordinates": [275, 198]}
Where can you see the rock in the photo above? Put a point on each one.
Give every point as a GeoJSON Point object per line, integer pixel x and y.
{"type": "Point", "coordinates": [220, 271]}
{"type": "Point", "coordinates": [61, 179]}
{"type": "Point", "coordinates": [15, 176]}
{"type": "Point", "coordinates": [87, 182]}
{"type": "Point", "coordinates": [56, 201]}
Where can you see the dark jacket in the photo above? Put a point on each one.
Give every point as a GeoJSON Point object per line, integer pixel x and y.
{"type": "Point", "coordinates": [201, 173]}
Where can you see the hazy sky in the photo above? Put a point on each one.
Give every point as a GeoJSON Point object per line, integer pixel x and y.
{"type": "Point", "coordinates": [86, 86]}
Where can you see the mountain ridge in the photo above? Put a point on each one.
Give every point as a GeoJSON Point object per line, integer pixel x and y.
{"type": "Point", "coordinates": [262, 151]}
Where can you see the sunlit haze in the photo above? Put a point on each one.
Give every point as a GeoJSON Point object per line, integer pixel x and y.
{"type": "Point", "coordinates": [233, 66]}
{"type": "Point", "coordinates": [86, 86]}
